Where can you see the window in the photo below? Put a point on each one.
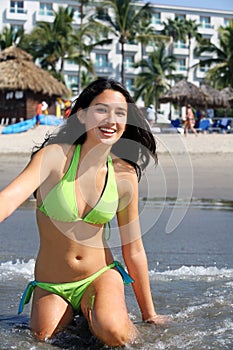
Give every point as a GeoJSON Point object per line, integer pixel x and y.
{"type": "Point", "coordinates": [101, 60]}
{"type": "Point", "coordinates": [180, 17]}
{"type": "Point", "coordinates": [129, 84]}
{"type": "Point", "coordinates": [16, 7]}
{"type": "Point", "coordinates": [77, 14]}
{"type": "Point", "coordinates": [129, 61]}
{"type": "Point", "coordinates": [156, 18]}
{"type": "Point", "coordinates": [46, 9]}
{"type": "Point", "coordinates": [181, 64]}
{"type": "Point", "coordinates": [226, 22]}
{"type": "Point", "coordinates": [181, 44]}
{"type": "Point", "coordinates": [70, 62]}
{"type": "Point", "coordinates": [205, 22]}
{"type": "Point", "coordinates": [72, 81]}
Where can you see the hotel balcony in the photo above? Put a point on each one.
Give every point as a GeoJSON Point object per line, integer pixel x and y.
{"type": "Point", "coordinates": [103, 68]}
{"type": "Point", "coordinates": [18, 14]}
{"type": "Point", "coordinates": [44, 16]}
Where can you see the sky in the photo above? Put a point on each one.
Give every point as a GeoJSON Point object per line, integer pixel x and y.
{"type": "Point", "coordinates": [207, 4]}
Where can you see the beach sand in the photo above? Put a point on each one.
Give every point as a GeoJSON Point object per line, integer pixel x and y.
{"type": "Point", "coordinates": [200, 167]}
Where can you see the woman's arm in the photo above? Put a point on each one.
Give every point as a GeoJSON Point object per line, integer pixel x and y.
{"type": "Point", "coordinates": [37, 170]}
{"type": "Point", "coordinates": [133, 251]}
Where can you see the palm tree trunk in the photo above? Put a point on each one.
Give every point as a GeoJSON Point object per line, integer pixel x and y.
{"type": "Point", "coordinates": [79, 79]}
{"type": "Point", "coordinates": [122, 62]}
{"type": "Point", "coordinates": [189, 53]}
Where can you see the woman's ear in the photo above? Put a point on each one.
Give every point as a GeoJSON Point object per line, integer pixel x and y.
{"type": "Point", "coordinates": [81, 116]}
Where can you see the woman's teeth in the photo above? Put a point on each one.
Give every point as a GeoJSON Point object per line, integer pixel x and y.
{"type": "Point", "coordinates": [107, 130]}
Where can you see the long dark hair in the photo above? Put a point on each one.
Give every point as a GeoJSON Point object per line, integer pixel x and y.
{"type": "Point", "coordinates": [135, 146]}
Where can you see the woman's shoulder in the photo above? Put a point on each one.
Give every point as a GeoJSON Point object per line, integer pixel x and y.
{"type": "Point", "coordinates": [122, 167]}
{"type": "Point", "coordinates": [62, 149]}
{"type": "Point", "coordinates": [54, 154]}
{"type": "Point", "coordinates": [127, 182]}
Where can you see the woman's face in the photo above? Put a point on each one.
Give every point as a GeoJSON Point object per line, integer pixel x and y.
{"type": "Point", "coordinates": [105, 119]}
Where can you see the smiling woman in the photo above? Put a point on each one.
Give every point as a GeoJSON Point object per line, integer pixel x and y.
{"type": "Point", "coordinates": [105, 118]}
{"type": "Point", "coordinates": [82, 177]}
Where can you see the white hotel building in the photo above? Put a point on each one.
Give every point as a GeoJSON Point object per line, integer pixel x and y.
{"type": "Point", "coordinates": [107, 59]}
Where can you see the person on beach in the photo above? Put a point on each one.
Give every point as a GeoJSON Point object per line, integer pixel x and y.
{"type": "Point", "coordinates": [190, 121]}
{"type": "Point", "coordinates": [82, 176]}
{"type": "Point", "coordinates": [151, 115]}
{"type": "Point", "coordinates": [38, 113]}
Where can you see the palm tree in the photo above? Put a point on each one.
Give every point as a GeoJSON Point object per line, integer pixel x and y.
{"type": "Point", "coordinates": [146, 34]}
{"type": "Point", "coordinates": [175, 29]}
{"type": "Point", "coordinates": [10, 37]}
{"type": "Point", "coordinates": [153, 80]}
{"type": "Point", "coordinates": [123, 23]}
{"type": "Point", "coordinates": [50, 42]}
{"type": "Point", "coordinates": [84, 40]}
{"type": "Point", "coordinates": [220, 73]}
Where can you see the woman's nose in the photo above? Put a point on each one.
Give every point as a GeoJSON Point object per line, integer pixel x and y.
{"type": "Point", "coordinates": [112, 116]}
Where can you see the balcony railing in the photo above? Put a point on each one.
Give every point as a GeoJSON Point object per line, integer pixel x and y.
{"type": "Point", "coordinates": [46, 12]}
{"type": "Point", "coordinates": [206, 25]}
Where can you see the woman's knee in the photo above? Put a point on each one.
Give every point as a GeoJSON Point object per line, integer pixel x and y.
{"type": "Point", "coordinates": [49, 314]}
{"type": "Point", "coordinates": [113, 330]}
{"type": "Point", "coordinates": [44, 330]}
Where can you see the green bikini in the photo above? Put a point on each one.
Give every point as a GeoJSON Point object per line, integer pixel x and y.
{"type": "Point", "coordinates": [60, 203]}
{"type": "Point", "coordinates": [65, 210]}
{"type": "Point", "coordinates": [71, 291]}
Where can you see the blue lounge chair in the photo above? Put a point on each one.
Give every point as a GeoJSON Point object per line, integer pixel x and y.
{"type": "Point", "coordinates": [204, 125]}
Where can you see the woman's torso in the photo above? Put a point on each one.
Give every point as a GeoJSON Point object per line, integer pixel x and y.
{"type": "Point", "coordinates": [71, 251]}
{"type": "Point", "coordinates": [190, 116]}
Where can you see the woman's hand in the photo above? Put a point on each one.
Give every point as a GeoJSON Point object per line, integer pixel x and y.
{"type": "Point", "coordinates": [158, 319]}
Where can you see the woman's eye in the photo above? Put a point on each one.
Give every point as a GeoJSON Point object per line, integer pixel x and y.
{"type": "Point", "coordinates": [101, 110]}
{"type": "Point", "coordinates": [121, 114]}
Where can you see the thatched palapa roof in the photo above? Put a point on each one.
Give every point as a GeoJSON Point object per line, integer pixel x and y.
{"type": "Point", "coordinates": [183, 93]}
{"type": "Point", "coordinates": [227, 93]}
{"type": "Point", "coordinates": [19, 72]}
{"type": "Point", "coordinates": [215, 98]}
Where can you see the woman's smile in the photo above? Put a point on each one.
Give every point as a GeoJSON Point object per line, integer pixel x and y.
{"type": "Point", "coordinates": [107, 131]}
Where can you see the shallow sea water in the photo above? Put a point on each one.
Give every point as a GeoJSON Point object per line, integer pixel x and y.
{"type": "Point", "coordinates": [190, 269]}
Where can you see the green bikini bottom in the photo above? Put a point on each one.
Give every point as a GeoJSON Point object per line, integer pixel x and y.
{"type": "Point", "coordinates": [71, 291]}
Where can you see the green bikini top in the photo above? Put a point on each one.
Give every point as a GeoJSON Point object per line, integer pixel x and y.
{"type": "Point", "coordinates": [60, 203]}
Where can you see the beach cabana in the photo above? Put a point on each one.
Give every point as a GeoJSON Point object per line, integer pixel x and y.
{"type": "Point", "coordinates": [23, 85]}
{"type": "Point", "coordinates": [214, 98]}
{"type": "Point", "coordinates": [227, 93]}
{"type": "Point", "coordinates": [184, 93]}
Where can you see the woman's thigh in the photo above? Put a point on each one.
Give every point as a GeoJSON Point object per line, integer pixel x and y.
{"type": "Point", "coordinates": [50, 313]}
{"type": "Point", "coordinates": [104, 306]}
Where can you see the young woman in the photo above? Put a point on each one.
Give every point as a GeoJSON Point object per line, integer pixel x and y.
{"type": "Point", "coordinates": [190, 121]}
{"type": "Point", "coordinates": [82, 177]}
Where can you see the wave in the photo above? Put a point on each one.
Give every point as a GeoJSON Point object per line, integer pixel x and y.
{"type": "Point", "coordinates": [193, 203]}
{"type": "Point", "coordinates": [26, 269]}
{"type": "Point", "coordinates": [18, 268]}
{"type": "Point", "coordinates": [193, 272]}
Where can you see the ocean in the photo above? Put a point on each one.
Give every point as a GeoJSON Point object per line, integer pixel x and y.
{"type": "Point", "coordinates": [189, 249]}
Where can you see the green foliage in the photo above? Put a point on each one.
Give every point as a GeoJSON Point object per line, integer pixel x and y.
{"type": "Point", "coordinates": [10, 37]}
{"type": "Point", "coordinates": [156, 72]}
{"type": "Point", "coordinates": [220, 73]}
{"type": "Point", "coordinates": [124, 23]}
{"type": "Point", "coordinates": [51, 44]}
